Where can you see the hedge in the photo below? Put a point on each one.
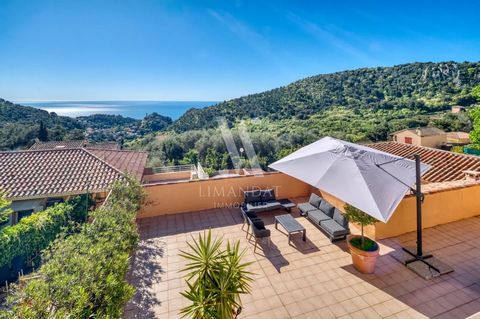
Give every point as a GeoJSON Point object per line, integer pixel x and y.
{"type": "Point", "coordinates": [35, 232]}
{"type": "Point", "coordinates": [83, 275]}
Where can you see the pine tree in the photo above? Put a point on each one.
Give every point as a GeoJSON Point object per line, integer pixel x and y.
{"type": "Point", "coordinates": [42, 132]}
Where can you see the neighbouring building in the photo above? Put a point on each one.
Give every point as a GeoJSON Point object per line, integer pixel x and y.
{"type": "Point", "coordinates": [458, 138]}
{"type": "Point", "coordinates": [421, 136]}
{"type": "Point", "coordinates": [458, 109]}
{"type": "Point", "coordinates": [38, 178]}
{"type": "Point", "coordinates": [73, 144]}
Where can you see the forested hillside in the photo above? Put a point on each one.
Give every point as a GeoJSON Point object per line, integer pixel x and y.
{"type": "Point", "coordinates": [21, 125]}
{"type": "Point", "coordinates": [363, 105]}
{"type": "Point", "coordinates": [416, 86]}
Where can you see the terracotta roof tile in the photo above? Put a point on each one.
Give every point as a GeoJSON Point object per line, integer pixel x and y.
{"type": "Point", "coordinates": [56, 172]}
{"type": "Point", "coordinates": [50, 145]}
{"type": "Point", "coordinates": [446, 166]}
{"type": "Point", "coordinates": [131, 162]}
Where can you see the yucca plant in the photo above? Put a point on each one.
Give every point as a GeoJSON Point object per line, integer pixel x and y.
{"type": "Point", "coordinates": [216, 278]}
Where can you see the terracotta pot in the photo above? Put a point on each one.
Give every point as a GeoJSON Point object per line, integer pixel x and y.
{"type": "Point", "coordinates": [363, 261]}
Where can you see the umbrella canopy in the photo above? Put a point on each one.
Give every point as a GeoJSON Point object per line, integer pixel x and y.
{"type": "Point", "coordinates": [368, 179]}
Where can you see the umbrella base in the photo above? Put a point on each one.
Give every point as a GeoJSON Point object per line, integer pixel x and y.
{"type": "Point", "coordinates": [426, 266]}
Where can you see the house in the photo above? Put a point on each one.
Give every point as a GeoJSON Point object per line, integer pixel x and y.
{"type": "Point", "coordinates": [421, 136]}
{"type": "Point", "coordinates": [35, 179]}
{"type": "Point", "coordinates": [458, 109]}
{"type": "Point", "coordinates": [458, 138]}
{"type": "Point", "coordinates": [73, 144]}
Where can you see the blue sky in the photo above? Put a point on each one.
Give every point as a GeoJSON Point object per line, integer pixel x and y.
{"type": "Point", "coordinates": [214, 50]}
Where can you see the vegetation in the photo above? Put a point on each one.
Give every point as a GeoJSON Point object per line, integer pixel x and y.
{"type": "Point", "coordinates": [355, 215]}
{"type": "Point", "coordinates": [364, 105]}
{"type": "Point", "coordinates": [21, 126]}
{"type": "Point", "coordinates": [216, 278]}
{"type": "Point", "coordinates": [475, 117]}
{"type": "Point", "coordinates": [83, 275]}
{"type": "Point", "coordinates": [35, 232]}
{"type": "Point", "coordinates": [4, 211]}
{"type": "Point", "coordinates": [426, 87]}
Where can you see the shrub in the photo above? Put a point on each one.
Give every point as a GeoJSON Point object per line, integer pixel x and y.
{"type": "Point", "coordinates": [35, 232]}
{"type": "Point", "coordinates": [215, 278]}
{"type": "Point", "coordinates": [355, 215]}
{"type": "Point", "coordinates": [83, 275]}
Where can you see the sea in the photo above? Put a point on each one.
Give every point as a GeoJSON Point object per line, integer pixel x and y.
{"type": "Point", "coordinates": [134, 109]}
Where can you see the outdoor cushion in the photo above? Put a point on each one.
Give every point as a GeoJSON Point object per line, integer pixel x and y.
{"type": "Point", "coordinates": [260, 207]}
{"type": "Point", "coordinates": [251, 214]}
{"type": "Point", "coordinates": [261, 233]}
{"type": "Point", "coordinates": [340, 219]}
{"type": "Point", "coordinates": [315, 200]}
{"type": "Point", "coordinates": [327, 208]}
{"type": "Point", "coordinates": [306, 207]}
{"type": "Point", "coordinates": [258, 223]}
{"type": "Point", "coordinates": [268, 195]}
{"type": "Point", "coordinates": [252, 196]}
{"type": "Point", "coordinates": [333, 228]}
{"type": "Point", "coordinates": [317, 216]}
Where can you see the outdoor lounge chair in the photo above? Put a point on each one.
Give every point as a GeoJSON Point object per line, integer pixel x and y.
{"type": "Point", "coordinates": [247, 216]}
{"type": "Point", "coordinates": [330, 220]}
{"type": "Point", "coordinates": [256, 225]}
{"type": "Point", "coordinates": [261, 200]}
{"type": "Point", "coordinates": [259, 231]}
{"type": "Point", "coordinates": [312, 204]}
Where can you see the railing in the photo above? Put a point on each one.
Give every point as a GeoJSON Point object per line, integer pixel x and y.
{"type": "Point", "coordinates": [176, 168]}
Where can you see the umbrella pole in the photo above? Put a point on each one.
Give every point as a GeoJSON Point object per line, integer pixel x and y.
{"type": "Point", "coordinates": [418, 195]}
{"type": "Point", "coordinates": [418, 255]}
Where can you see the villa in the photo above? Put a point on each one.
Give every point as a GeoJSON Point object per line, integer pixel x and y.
{"type": "Point", "coordinates": [52, 172]}
{"type": "Point", "coordinates": [315, 278]}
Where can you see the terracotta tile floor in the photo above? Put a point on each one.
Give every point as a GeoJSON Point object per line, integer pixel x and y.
{"type": "Point", "coordinates": [312, 279]}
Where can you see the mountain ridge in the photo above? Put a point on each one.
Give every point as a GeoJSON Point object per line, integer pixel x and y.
{"type": "Point", "coordinates": [424, 85]}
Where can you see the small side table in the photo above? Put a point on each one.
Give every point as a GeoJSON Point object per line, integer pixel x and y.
{"type": "Point", "coordinates": [287, 204]}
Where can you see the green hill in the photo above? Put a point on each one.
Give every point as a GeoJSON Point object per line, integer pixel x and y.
{"type": "Point", "coordinates": [21, 125]}
{"type": "Point", "coordinates": [425, 87]}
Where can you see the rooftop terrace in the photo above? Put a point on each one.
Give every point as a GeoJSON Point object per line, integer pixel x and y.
{"type": "Point", "coordinates": [312, 279]}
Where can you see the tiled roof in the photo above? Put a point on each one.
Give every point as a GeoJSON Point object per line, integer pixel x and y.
{"type": "Point", "coordinates": [423, 131]}
{"type": "Point", "coordinates": [457, 135]}
{"type": "Point", "coordinates": [446, 166]}
{"type": "Point", "coordinates": [125, 161]}
{"type": "Point", "coordinates": [41, 173]}
{"type": "Point", "coordinates": [60, 172]}
{"type": "Point", "coordinates": [51, 145]}
{"type": "Point", "coordinates": [104, 146]}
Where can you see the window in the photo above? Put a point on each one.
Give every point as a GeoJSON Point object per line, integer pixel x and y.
{"type": "Point", "coordinates": [408, 140]}
{"type": "Point", "coordinates": [24, 213]}
{"type": "Point", "coordinates": [54, 200]}
{"type": "Point", "coordinates": [5, 223]}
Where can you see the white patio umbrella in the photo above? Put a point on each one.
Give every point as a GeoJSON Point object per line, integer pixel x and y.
{"type": "Point", "coordinates": [366, 178]}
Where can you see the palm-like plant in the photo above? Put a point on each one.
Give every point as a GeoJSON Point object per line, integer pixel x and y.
{"type": "Point", "coordinates": [216, 278]}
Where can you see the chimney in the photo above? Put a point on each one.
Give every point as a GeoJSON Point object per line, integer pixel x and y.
{"type": "Point", "coordinates": [419, 131]}
{"type": "Point", "coordinates": [472, 175]}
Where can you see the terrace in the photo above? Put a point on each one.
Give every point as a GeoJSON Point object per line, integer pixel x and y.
{"type": "Point", "coordinates": [312, 279]}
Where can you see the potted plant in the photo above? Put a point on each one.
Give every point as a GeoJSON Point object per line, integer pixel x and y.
{"type": "Point", "coordinates": [215, 277]}
{"type": "Point", "coordinates": [364, 251]}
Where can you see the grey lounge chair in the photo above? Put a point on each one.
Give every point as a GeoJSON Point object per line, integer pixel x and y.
{"type": "Point", "coordinates": [312, 204]}
{"type": "Point", "coordinates": [261, 200]}
{"type": "Point", "coordinates": [259, 232]}
{"type": "Point", "coordinates": [330, 220]}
